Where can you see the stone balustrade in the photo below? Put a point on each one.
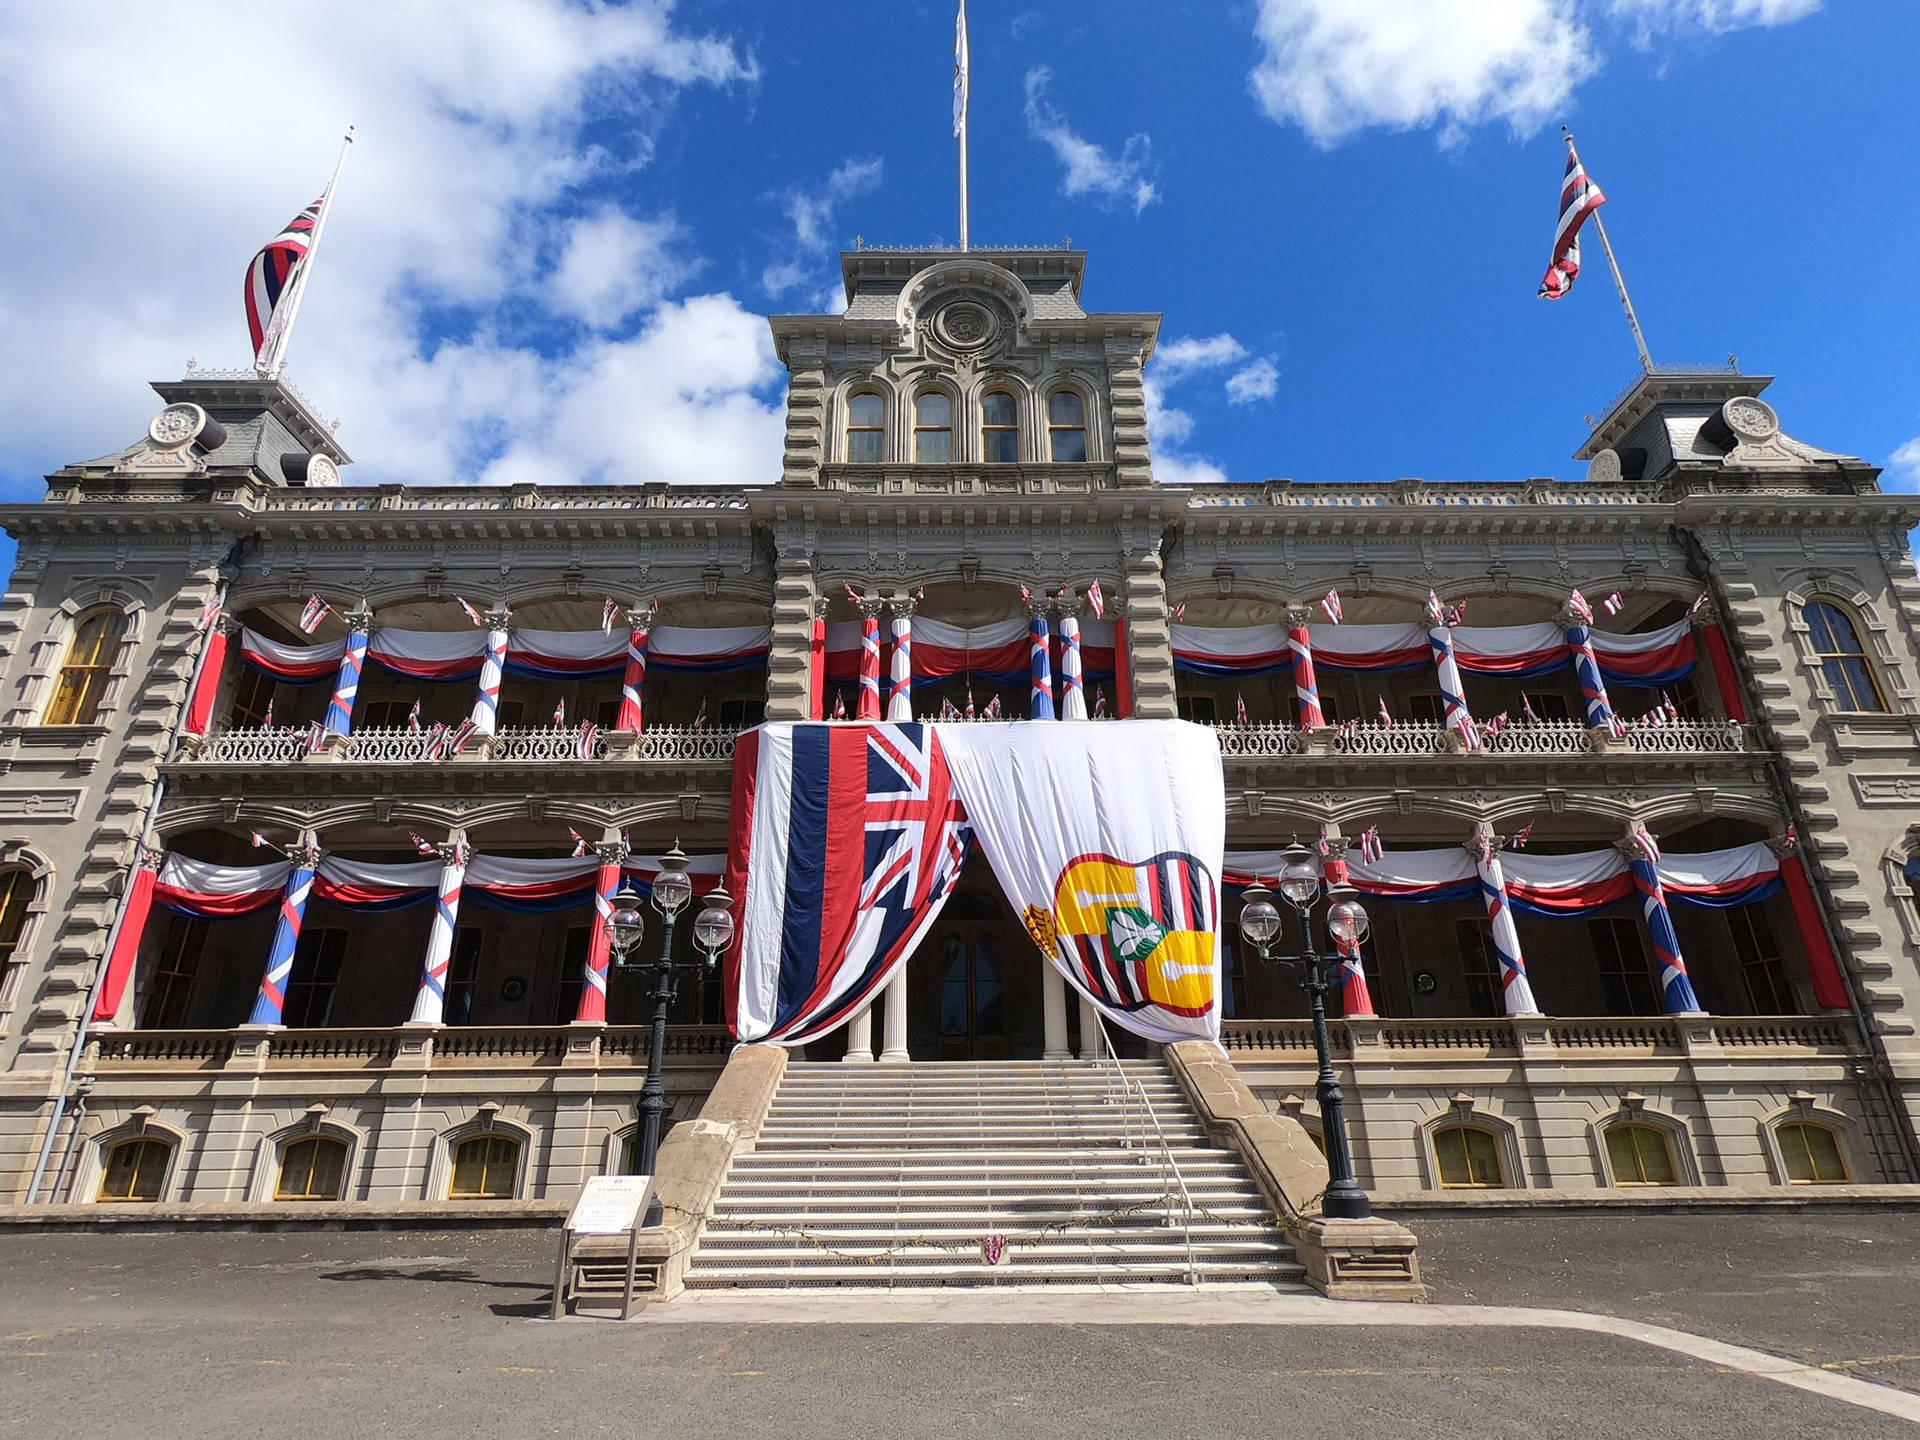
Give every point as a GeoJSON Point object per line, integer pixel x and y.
{"type": "Point", "coordinates": [1291, 1041]}
{"type": "Point", "coordinates": [113, 1053]}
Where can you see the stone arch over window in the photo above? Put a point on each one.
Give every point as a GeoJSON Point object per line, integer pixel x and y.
{"type": "Point", "coordinates": [25, 880]}
{"type": "Point", "coordinates": [1467, 1147]}
{"type": "Point", "coordinates": [1850, 659]}
{"type": "Point", "coordinates": [48, 652]}
{"type": "Point", "coordinates": [1638, 1146]}
{"type": "Point", "coordinates": [465, 1170]}
{"type": "Point", "coordinates": [1069, 424]}
{"type": "Point", "coordinates": [864, 433]}
{"type": "Point", "coordinates": [137, 1162]}
{"type": "Point", "coordinates": [1808, 1143]}
{"type": "Point", "coordinates": [90, 663]}
{"type": "Point", "coordinates": [270, 1180]}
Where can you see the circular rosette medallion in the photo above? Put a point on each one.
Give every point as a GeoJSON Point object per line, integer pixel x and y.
{"type": "Point", "coordinates": [966, 325]}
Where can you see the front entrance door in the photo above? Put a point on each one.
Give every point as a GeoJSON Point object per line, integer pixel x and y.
{"type": "Point", "coordinates": [973, 1002]}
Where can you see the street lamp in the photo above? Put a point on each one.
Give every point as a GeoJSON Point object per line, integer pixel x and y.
{"type": "Point", "coordinates": [672, 889]}
{"type": "Point", "coordinates": [1260, 926]}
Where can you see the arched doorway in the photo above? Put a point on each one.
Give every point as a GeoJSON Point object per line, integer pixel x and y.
{"type": "Point", "coordinates": [973, 989]}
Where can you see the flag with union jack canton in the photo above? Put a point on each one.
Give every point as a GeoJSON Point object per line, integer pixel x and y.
{"type": "Point", "coordinates": [1579, 198]}
{"type": "Point", "coordinates": [272, 271]}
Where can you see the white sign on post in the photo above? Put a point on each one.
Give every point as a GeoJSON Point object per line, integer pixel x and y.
{"type": "Point", "coordinates": [610, 1205]}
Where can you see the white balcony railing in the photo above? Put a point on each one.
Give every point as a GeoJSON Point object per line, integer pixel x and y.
{"type": "Point", "coordinates": [547, 742]}
{"type": "Point", "coordinates": [686, 743]}
{"type": "Point", "coordinates": [1689, 737]}
{"type": "Point", "coordinates": [389, 745]}
{"type": "Point", "coordinates": [279, 746]}
{"type": "Point", "coordinates": [1541, 737]}
{"type": "Point", "coordinates": [1411, 737]}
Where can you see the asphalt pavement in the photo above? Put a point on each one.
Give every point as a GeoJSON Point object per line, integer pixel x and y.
{"type": "Point", "coordinates": [211, 1335]}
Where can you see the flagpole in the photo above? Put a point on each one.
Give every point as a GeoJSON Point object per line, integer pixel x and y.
{"type": "Point", "coordinates": [1619, 280]}
{"type": "Point", "coordinates": [279, 334]}
{"type": "Point", "coordinates": [963, 102]}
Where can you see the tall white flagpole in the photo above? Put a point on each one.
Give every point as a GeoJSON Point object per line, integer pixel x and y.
{"type": "Point", "coordinates": [1619, 280]}
{"type": "Point", "coordinates": [278, 333]}
{"type": "Point", "coordinates": [962, 60]}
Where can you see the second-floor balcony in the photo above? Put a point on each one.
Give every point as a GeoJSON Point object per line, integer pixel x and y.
{"type": "Point", "coordinates": [1546, 739]}
{"type": "Point", "coordinates": [662, 745]}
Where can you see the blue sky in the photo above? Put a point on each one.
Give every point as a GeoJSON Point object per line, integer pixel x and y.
{"type": "Point", "coordinates": [557, 239]}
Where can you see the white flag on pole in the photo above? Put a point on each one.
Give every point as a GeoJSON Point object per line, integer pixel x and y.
{"type": "Point", "coordinates": [961, 58]}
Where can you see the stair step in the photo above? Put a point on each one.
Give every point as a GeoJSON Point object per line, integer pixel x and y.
{"type": "Point", "coordinates": [1265, 1269]}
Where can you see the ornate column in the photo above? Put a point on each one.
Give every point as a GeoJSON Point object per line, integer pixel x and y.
{"type": "Point", "coordinates": [1073, 693]}
{"type": "Point", "coordinates": [869, 706]}
{"type": "Point", "coordinates": [1306, 685]}
{"type": "Point", "coordinates": [116, 988]}
{"type": "Point", "coordinates": [1643, 855]}
{"type": "Point", "coordinates": [900, 695]}
{"type": "Point", "coordinates": [430, 1003]}
{"type": "Point", "coordinates": [486, 707]}
{"type": "Point", "coordinates": [1039, 662]}
{"type": "Point", "coordinates": [1586, 668]}
{"type": "Point", "coordinates": [860, 1038]}
{"type": "Point", "coordinates": [1518, 994]}
{"type": "Point", "coordinates": [1823, 966]}
{"type": "Point", "coordinates": [611, 850]}
{"type": "Point", "coordinates": [346, 684]}
{"type": "Point", "coordinates": [1356, 999]}
{"type": "Point", "coordinates": [210, 673]}
{"type": "Point", "coordinates": [893, 1046]}
{"type": "Point", "coordinates": [1711, 636]}
{"type": "Point", "coordinates": [1453, 693]}
{"type": "Point", "coordinates": [1092, 1047]}
{"type": "Point", "coordinates": [1053, 1012]}
{"type": "Point", "coordinates": [633, 680]}
{"type": "Point", "coordinates": [270, 1006]}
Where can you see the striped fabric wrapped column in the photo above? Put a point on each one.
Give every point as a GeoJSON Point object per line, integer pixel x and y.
{"type": "Point", "coordinates": [869, 704]}
{"type": "Point", "coordinates": [117, 984]}
{"type": "Point", "coordinates": [346, 684]}
{"type": "Point", "coordinates": [610, 852]}
{"type": "Point", "coordinates": [1485, 849]}
{"type": "Point", "coordinates": [209, 673]}
{"type": "Point", "coordinates": [486, 707]}
{"type": "Point", "coordinates": [270, 1006]}
{"type": "Point", "coordinates": [817, 662]}
{"type": "Point", "coordinates": [1586, 668]}
{"type": "Point", "coordinates": [1726, 679]}
{"type": "Point", "coordinates": [1643, 857]}
{"type": "Point", "coordinates": [1073, 694]}
{"type": "Point", "coordinates": [900, 672]}
{"type": "Point", "coordinates": [1122, 664]}
{"type": "Point", "coordinates": [1453, 694]}
{"type": "Point", "coordinates": [1355, 997]}
{"type": "Point", "coordinates": [430, 1004]}
{"type": "Point", "coordinates": [1306, 686]}
{"type": "Point", "coordinates": [1823, 967]}
{"type": "Point", "coordinates": [1039, 664]}
{"type": "Point", "coordinates": [633, 680]}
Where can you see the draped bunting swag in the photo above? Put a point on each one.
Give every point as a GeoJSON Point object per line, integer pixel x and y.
{"type": "Point", "coordinates": [206, 679]}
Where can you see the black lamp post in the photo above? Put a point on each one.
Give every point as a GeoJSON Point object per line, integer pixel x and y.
{"type": "Point", "coordinates": [672, 889]}
{"type": "Point", "coordinates": [1347, 923]}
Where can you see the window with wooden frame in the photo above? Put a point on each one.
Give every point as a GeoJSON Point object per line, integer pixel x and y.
{"type": "Point", "coordinates": [1067, 426]}
{"type": "Point", "coordinates": [1641, 1155]}
{"type": "Point", "coordinates": [316, 971]}
{"type": "Point", "coordinates": [740, 712]}
{"type": "Point", "coordinates": [485, 1167]}
{"type": "Point", "coordinates": [1761, 964]}
{"type": "Point", "coordinates": [1468, 1158]}
{"type": "Point", "coordinates": [383, 715]}
{"type": "Point", "coordinates": [136, 1170]}
{"type": "Point", "coordinates": [933, 428]}
{"type": "Point", "coordinates": [252, 695]}
{"type": "Point", "coordinates": [1843, 659]}
{"type": "Point", "coordinates": [1425, 707]}
{"type": "Point", "coordinates": [169, 986]}
{"type": "Point", "coordinates": [1479, 966]}
{"type": "Point", "coordinates": [17, 889]}
{"type": "Point", "coordinates": [1200, 709]}
{"type": "Point", "coordinates": [313, 1167]}
{"type": "Point", "coordinates": [573, 968]}
{"type": "Point", "coordinates": [462, 972]}
{"type": "Point", "coordinates": [999, 428]}
{"type": "Point", "coordinates": [866, 428]}
{"type": "Point", "coordinates": [1622, 961]}
{"type": "Point", "coordinates": [82, 682]}
{"type": "Point", "coordinates": [1810, 1153]}
{"type": "Point", "coordinates": [1546, 704]}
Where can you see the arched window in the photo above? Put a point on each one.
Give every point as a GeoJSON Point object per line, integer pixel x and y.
{"type": "Point", "coordinates": [1468, 1158]}
{"type": "Point", "coordinates": [933, 429]}
{"type": "Point", "coordinates": [485, 1168]}
{"type": "Point", "coordinates": [1811, 1153]}
{"type": "Point", "coordinates": [1067, 425]}
{"type": "Point", "coordinates": [89, 665]}
{"type": "Point", "coordinates": [999, 428]}
{"type": "Point", "coordinates": [16, 896]}
{"type": "Point", "coordinates": [1842, 657]}
{"type": "Point", "coordinates": [1641, 1155]}
{"type": "Point", "coordinates": [312, 1168]}
{"type": "Point", "coordinates": [866, 428]}
{"type": "Point", "coordinates": [136, 1170]}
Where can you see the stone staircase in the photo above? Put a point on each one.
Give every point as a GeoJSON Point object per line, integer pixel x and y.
{"type": "Point", "coordinates": [891, 1176]}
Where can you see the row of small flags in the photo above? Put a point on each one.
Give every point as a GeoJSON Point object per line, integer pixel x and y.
{"type": "Point", "coordinates": [1663, 716]}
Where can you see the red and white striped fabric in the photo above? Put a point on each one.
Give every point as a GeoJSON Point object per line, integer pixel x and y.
{"type": "Point", "coordinates": [1231, 649]}
{"type": "Point", "coordinates": [707, 650]}
{"type": "Point", "coordinates": [1649, 660]}
{"type": "Point", "coordinates": [1518, 651]}
{"type": "Point", "coordinates": [295, 664]}
{"type": "Point", "coordinates": [217, 892]}
{"type": "Point", "coordinates": [1579, 198]}
{"type": "Point", "coordinates": [429, 654]}
{"type": "Point", "coordinates": [565, 654]}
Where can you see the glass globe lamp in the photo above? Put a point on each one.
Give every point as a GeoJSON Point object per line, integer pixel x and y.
{"type": "Point", "coordinates": [1259, 918]}
{"type": "Point", "coordinates": [1299, 875]}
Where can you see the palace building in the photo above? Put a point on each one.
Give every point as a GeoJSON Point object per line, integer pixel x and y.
{"type": "Point", "coordinates": [432, 721]}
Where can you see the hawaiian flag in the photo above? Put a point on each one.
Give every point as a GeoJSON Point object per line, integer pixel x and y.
{"type": "Point", "coordinates": [847, 839]}
{"type": "Point", "coordinates": [474, 615]}
{"type": "Point", "coordinates": [1527, 712]}
{"type": "Point", "coordinates": [312, 613]}
{"type": "Point", "coordinates": [1699, 603]}
{"type": "Point", "coordinates": [579, 843]}
{"type": "Point", "coordinates": [1580, 608]}
{"type": "Point", "coordinates": [608, 613]}
{"type": "Point", "coordinates": [1240, 711]}
{"type": "Point", "coordinates": [459, 736]}
{"type": "Point", "coordinates": [589, 739]}
{"type": "Point", "coordinates": [423, 845]}
{"type": "Point", "coordinates": [1643, 837]}
{"type": "Point", "coordinates": [700, 718]}
{"type": "Point", "coordinates": [1096, 600]}
{"type": "Point", "coordinates": [992, 712]}
{"type": "Point", "coordinates": [1614, 603]}
{"type": "Point", "coordinates": [1370, 847]}
{"type": "Point", "coordinates": [209, 613]}
{"type": "Point", "coordinates": [1180, 613]}
{"type": "Point", "coordinates": [840, 704]}
{"type": "Point", "coordinates": [1521, 837]}
{"type": "Point", "coordinates": [1579, 198]}
{"type": "Point", "coordinates": [413, 719]}
{"type": "Point", "coordinates": [272, 269]}
{"type": "Point", "coordinates": [316, 738]}
{"type": "Point", "coordinates": [1330, 602]}
{"type": "Point", "coordinates": [1386, 715]}
{"type": "Point", "coordinates": [1099, 702]}
{"type": "Point", "coordinates": [560, 714]}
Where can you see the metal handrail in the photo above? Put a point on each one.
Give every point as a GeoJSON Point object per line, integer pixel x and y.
{"type": "Point", "coordinates": [1169, 1164]}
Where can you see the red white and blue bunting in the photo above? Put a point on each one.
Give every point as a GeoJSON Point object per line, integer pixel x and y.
{"type": "Point", "coordinates": [544, 654]}
{"type": "Point", "coordinates": [1000, 652]}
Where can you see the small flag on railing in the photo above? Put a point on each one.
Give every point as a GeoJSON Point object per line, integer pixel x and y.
{"type": "Point", "coordinates": [266, 720]}
{"type": "Point", "coordinates": [312, 613]}
{"type": "Point", "coordinates": [1386, 715]}
{"type": "Point", "coordinates": [839, 704]}
{"type": "Point", "coordinates": [479, 620]}
{"type": "Point", "coordinates": [1527, 712]}
{"type": "Point", "coordinates": [1330, 602]}
{"type": "Point", "coordinates": [1456, 614]}
{"type": "Point", "coordinates": [589, 739]}
{"type": "Point", "coordinates": [1370, 847]}
{"type": "Point", "coordinates": [992, 712]}
{"type": "Point", "coordinates": [1180, 613]}
{"type": "Point", "coordinates": [1349, 730]}
{"type": "Point", "coordinates": [579, 843]}
{"type": "Point", "coordinates": [1521, 837]}
{"type": "Point", "coordinates": [1493, 728]}
{"type": "Point", "coordinates": [1614, 603]}
{"type": "Point", "coordinates": [461, 733]}
{"type": "Point", "coordinates": [1673, 710]}
{"type": "Point", "coordinates": [700, 716]}
{"type": "Point", "coordinates": [1240, 711]}
{"type": "Point", "coordinates": [1617, 726]}
{"type": "Point", "coordinates": [1579, 607]}
{"type": "Point", "coordinates": [209, 613]}
{"type": "Point", "coordinates": [1096, 599]}
{"type": "Point", "coordinates": [316, 738]}
{"type": "Point", "coordinates": [560, 714]}
{"type": "Point", "coordinates": [413, 719]}
{"type": "Point", "coordinates": [1099, 702]}
{"type": "Point", "coordinates": [971, 712]}
{"type": "Point", "coordinates": [949, 711]}
{"type": "Point", "coordinates": [609, 612]}
{"type": "Point", "coordinates": [1026, 595]}
{"type": "Point", "coordinates": [423, 845]}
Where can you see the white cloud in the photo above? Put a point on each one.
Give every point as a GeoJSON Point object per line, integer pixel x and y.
{"type": "Point", "coordinates": [1334, 67]}
{"type": "Point", "coordinates": [812, 212]}
{"type": "Point", "coordinates": [1903, 466]}
{"type": "Point", "coordinates": [1171, 428]}
{"type": "Point", "coordinates": [612, 265]}
{"type": "Point", "coordinates": [1258, 381]}
{"type": "Point", "coordinates": [1177, 359]}
{"type": "Point", "coordinates": [1090, 168]}
{"type": "Point", "coordinates": [471, 194]}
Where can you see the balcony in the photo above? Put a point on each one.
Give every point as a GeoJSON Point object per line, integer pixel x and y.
{"type": "Point", "coordinates": [1546, 739]}
{"type": "Point", "coordinates": [1380, 1040]}
{"type": "Point", "coordinates": [662, 745]}
{"type": "Point", "coordinates": [413, 1048]}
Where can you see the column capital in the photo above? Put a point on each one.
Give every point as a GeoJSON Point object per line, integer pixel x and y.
{"type": "Point", "coordinates": [499, 617]}
{"type": "Point", "coordinates": [1067, 603]}
{"type": "Point", "coordinates": [870, 607]}
{"type": "Point", "coordinates": [359, 619]}
{"type": "Point", "coordinates": [455, 850]}
{"type": "Point", "coordinates": [149, 857]}
{"type": "Point", "coordinates": [306, 853]}
{"type": "Point", "coordinates": [1299, 616]}
{"type": "Point", "coordinates": [1786, 845]}
{"type": "Point", "coordinates": [1630, 845]}
{"type": "Point", "coordinates": [609, 852]}
{"type": "Point", "coordinates": [1566, 619]}
{"type": "Point", "coordinates": [227, 625]}
{"type": "Point", "coordinates": [903, 604]}
{"type": "Point", "coordinates": [821, 604]}
{"type": "Point", "coordinates": [641, 617]}
{"type": "Point", "coordinates": [1704, 613]}
{"type": "Point", "coordinates": [1484, 843]}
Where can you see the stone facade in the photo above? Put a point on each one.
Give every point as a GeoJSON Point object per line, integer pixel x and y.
{"type": "Point", "coordinates": [234, 494]}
